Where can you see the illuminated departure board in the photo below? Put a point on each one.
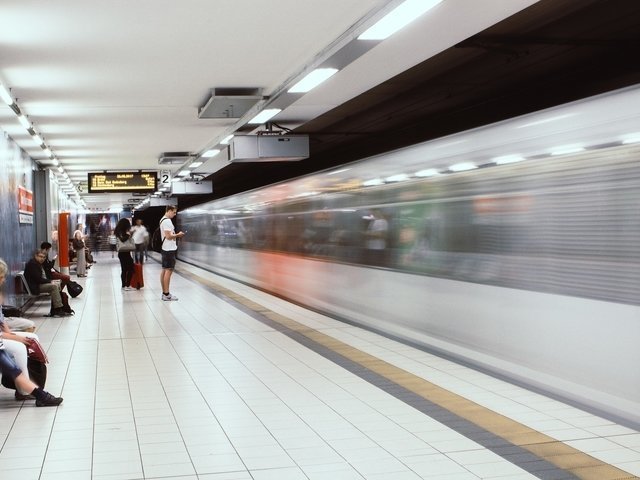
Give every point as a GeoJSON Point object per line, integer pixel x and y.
{"type": "Point", "coordinates": [145, 182]}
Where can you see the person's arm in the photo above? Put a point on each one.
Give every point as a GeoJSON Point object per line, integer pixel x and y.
{"type": "Point", "coordinates": [169, 235]}
{"type": "Point", "coordinates": [17, 338]}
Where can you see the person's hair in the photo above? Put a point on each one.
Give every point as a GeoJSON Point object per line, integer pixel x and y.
{"type": "Point", "coordinates": [40, 251]}
{"type": "Point", "coordinates": [4, 268]}
{"type": "Point", "coordinates": [170, 208]}
{"type": "Point", "coordinates": [122, 227]}
{"type": "Point", "coordinates": [45, 245]}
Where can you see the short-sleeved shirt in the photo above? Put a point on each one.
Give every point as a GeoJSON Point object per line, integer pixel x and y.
{"type": "Point", "coordinates": [138, 232]}
{"type": "Point", "coordinates": [169, 245]}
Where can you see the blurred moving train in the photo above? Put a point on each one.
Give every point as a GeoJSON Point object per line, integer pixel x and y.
{"type": "Point", "coordinates": [513, 247]}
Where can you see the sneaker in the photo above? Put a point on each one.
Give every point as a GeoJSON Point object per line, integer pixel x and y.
{"type": "Point", "coordinates": [21, 397]}
{"type": "Point", "coordinates": [48, 400]}
{"type": "Point", "coordinates": [127, 289]}
{"type": "Point", "coordinates": [169, 298]}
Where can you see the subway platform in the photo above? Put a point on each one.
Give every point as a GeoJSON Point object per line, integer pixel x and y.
{"type": "Point", "coordinates": [230, 383]}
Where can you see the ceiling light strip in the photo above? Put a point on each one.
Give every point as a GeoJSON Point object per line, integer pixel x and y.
{"type": "Point", "coordinates": [24, 121]}
{"type": "Point", "coordinates": [398, 18]}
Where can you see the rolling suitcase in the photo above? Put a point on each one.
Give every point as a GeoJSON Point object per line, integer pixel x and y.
{"type": "Point", "coordinates": [137, 280]}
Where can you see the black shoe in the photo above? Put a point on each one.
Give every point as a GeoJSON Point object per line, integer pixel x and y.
{"type": "Point", "coordinates": [21, 398]}
{"type": "Point", "coordinates": [48, 400]}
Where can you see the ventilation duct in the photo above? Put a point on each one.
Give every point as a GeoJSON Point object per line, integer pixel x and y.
{"type": "Point", "coordinates": [230, 102]}
{"type": "Point", "coordinates": [192, 188]}
{"type": "Point", "coordinates": [268, 148]}
{"type": "Point", "coordinates": [174, 158]}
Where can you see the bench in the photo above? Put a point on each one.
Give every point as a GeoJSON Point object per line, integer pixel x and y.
{"type": "Point", "coordinates": [25, 300]}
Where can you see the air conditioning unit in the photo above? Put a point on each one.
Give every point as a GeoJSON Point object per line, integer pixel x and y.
{"type": "Point", "coordinates": [268, 148]}
{"type": "Point", "coordinates": [192, 188]}
{"type": "Point", "coordinates": [173, 158]}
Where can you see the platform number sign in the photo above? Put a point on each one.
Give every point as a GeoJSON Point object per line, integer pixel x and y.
{"type": "Point", "coordinates": [165, 180]}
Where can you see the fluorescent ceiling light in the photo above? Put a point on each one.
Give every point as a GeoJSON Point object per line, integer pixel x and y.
{"type": "Point", "coordinates": [265, 116]}
{"type": "Point", "coordinates": [398, 18]}
{"type": "Point", "coordinates": [504, 159]}
{"type": "Point", "coordinates": [429, 172]}
{"type": "Point", "coordinates": [313, 79]}
{"type": "Point", "coordinates": [48, 153]}
{"type": "Point", "coordinates": [184, 172]}
{"type": "Point", "coordinates": [461, 167]}
{"type": "Point", "coordinates": [60, 169]}
{"type": "Point", "coordinates": [195, 164]}
{"type": "Point", "coordinates": [24, 122]}
{"type": "Point", "coordinates": [210, 153]}
{"type": "Point", "coordinates": [5, 95]}
{"type": "Point", "coordinates": [38, 139]}
{"type": "Point", "coordinates": [226, 140]}
{"type": "Point", "coordinates": [566, 149]}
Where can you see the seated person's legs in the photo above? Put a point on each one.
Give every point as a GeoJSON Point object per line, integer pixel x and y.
{"type": "Point", "coordinates": [19, 353]}
{"type": "Point", "coordinates": [9, 367]}
{"type": "Point", "coordinates": [53, 290]}
{"type": "Point", "coordinates": [20, 324]}
{"type": "Point", "coordinates": [64, 279]}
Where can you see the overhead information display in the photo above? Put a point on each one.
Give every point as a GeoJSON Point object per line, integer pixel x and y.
{"type": "Point", "coordinates": [145, 182]}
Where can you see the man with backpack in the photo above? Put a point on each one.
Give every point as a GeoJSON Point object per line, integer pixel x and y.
{"type": "Point", "coordinates": [168, 250]}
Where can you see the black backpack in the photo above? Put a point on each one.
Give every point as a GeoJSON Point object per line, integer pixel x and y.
{"type": "Point", "coordinates": [156, 239]}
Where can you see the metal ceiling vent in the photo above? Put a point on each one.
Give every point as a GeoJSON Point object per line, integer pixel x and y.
{"type": "Point", "coordinates": [172, 158]}
{"type": "Point", "coordinates": [230, 102]}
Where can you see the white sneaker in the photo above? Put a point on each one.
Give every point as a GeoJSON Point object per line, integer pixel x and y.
{"type": "Point", "coordinates": [169, 298]}
{"type": "Point", "coordinates": [127, 289]}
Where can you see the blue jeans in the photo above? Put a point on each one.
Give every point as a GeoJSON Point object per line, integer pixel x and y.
{"type": "Point", "coordinates": [139, 254]}
{"type": "Point", "coordinates": [7, 365]}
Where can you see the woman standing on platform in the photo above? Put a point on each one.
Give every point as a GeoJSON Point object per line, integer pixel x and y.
{"type": "Point", "coordinates": [81, 261]}
{"type": "Point", "coordinates": [125, 246]}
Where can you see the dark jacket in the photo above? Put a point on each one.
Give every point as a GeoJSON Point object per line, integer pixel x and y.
{"type": "Point", "coordinates": [48, 266]}
{"type": "Point", "coordinates": [33, 274]}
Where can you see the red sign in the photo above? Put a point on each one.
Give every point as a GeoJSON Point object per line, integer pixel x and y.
{"type": "Point", "coordinates": [25, 201]}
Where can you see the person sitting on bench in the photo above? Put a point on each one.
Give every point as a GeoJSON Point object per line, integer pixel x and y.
{"type": "Point", "coordinates": [36, 277]}
{"type": "Point", "coordinates": [49, 268]}
{"type": "Point", "coordinates": [24, 386]}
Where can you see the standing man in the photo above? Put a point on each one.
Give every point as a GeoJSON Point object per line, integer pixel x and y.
{"type": "Point", "coordinates": [169, 249]}
{"type": "Point", "coordinates": [139, 234]}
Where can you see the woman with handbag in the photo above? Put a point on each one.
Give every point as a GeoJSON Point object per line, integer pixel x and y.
{"type": "Point", "coordinates": [79, 246]}
{"type": "Point", "coordinates": [125, 246]}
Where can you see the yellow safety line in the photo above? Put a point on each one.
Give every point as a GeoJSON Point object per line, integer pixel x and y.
{"type": "Point", "coordinates": [563, 456]}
